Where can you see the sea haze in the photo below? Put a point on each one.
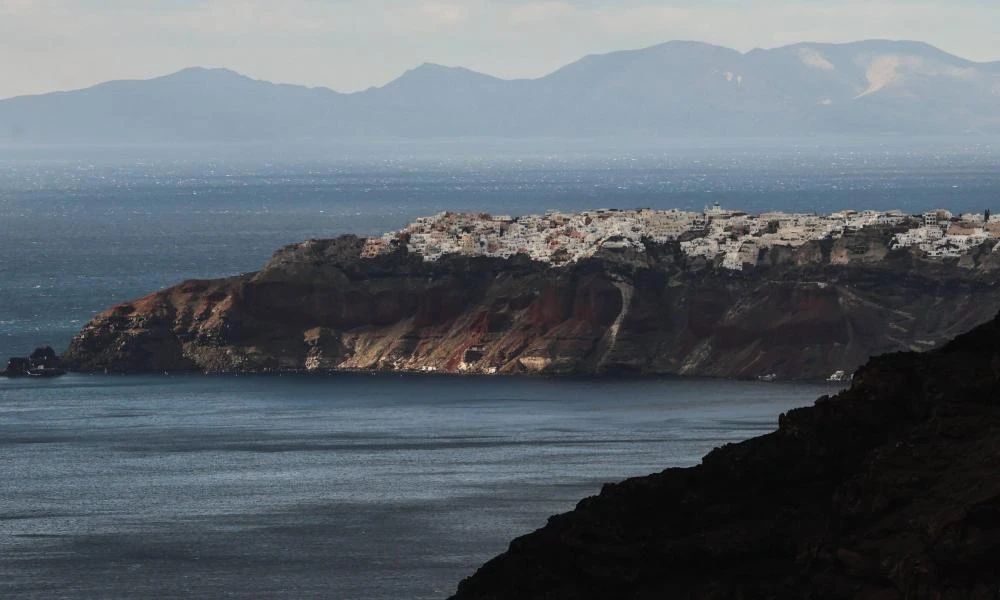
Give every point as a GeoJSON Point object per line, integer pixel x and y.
{"type": "Point", "coordinates": [343, 486]}
{"type": "Point", "coordinates": [666, 91]}
{"type": "Point", "coordinates": [83, 229]}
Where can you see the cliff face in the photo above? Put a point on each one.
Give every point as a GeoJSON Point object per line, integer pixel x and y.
{"type": "Point", "coordinates": [802, 313]}
{"type": "Point", "coordinates": [888, 490]}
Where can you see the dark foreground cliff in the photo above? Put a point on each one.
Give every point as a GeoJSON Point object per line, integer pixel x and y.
{"type": "Point", "coordinates": [802, 313]}
{"type": "Point", "coordinates": [889, 490]}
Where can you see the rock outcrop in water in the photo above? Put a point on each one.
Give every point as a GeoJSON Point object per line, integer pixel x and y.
{"type": "Point", "coordinates": [803, 313]}
{"type": "Point", "coordinates": [889, 490]}
{"type": "Point", "coordinates": [43, 362]}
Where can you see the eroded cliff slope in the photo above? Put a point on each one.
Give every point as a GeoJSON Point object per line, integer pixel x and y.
{"type": "Point", "coordinates": [889, 490]}
{"type": "Point", "coordinates": [803, 312]}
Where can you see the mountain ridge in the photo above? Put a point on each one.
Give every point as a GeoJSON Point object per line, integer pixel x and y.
{"type": "Point", "coordinates": [678, 88]}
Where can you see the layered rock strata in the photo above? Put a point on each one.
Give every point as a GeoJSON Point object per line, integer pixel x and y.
{"type": "Point", "coordinates": [801, 313]}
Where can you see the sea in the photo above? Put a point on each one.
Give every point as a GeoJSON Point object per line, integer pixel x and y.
{"type": "Point", "coordinates": [352, 485]}
{"type": "Point", "coordinates": [346, 486]}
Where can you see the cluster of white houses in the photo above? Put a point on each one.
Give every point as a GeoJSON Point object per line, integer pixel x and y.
{"type": "Point", "coordinates": [560, 238]}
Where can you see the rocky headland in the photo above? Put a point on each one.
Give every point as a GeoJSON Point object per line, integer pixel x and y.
{"type": "Point", "coordinates": [888, 490]}
{"type": "Point", "coordinates": [802, 312]}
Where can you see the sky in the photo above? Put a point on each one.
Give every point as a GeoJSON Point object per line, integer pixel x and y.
{"type": "Point", "coordinates": [348, 45]}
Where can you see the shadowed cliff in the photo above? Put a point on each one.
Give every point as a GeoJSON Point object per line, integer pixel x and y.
{"type": "Point", "coordinates": [888, 490]}
{"type": "Point", "coordinates": [802, 313]}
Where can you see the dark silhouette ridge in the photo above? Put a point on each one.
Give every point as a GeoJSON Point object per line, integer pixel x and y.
{"type": "Point", "coordinates": [887, 490]}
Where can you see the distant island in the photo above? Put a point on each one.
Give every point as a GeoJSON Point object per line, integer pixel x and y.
{"type": "Point", "coordinates": [719, 293]}
{"type": "Point", "coordinates": [674, 90]}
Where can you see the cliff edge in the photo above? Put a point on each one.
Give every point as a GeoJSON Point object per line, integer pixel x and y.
{"type": "Point", "coordinates": [802, 313]}
{"type": "Point", "coordinates": [888, 490]}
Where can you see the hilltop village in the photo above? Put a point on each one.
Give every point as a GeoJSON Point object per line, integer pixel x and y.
{"type": "Point", "coordinates": [737, 237]}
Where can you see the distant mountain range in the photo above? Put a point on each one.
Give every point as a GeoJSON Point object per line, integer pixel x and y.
{"type": "Point", "coordinates": [675, 89]}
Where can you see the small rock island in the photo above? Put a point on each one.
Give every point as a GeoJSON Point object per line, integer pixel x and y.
{"type": "Point", "coordinates": [718, 293]}
{"type": "Point", "coordinates": [43, 362]}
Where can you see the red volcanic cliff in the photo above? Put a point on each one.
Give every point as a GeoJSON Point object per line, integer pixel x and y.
{"type": "Point", "coordinates": [804, 313]}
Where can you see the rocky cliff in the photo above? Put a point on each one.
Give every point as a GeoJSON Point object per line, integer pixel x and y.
{"type": "Point", "coordinates": [888, 490]}
{"type": "Point", "coordinates": [802, 312]}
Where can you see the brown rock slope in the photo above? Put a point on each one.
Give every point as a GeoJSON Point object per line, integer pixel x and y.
{"type": "Point", "coordinates": [889, 490]}
{"type": "Point", "coordinates": [802, 313]}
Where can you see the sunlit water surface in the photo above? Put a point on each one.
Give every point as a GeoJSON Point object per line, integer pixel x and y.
{"type": "Point", "coordinates": [347, 486]}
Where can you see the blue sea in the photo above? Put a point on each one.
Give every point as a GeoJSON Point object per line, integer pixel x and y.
{"type": "Point", "coordinates": [353, 486]}
{"type": "Point", "coordinates": [345, 486]}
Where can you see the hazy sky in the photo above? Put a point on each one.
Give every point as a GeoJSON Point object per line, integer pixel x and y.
{"type": "Point", "coordinates": [347, 45]}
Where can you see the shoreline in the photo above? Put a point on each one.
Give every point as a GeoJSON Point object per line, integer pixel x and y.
{"type": "Point", "coordinates": [381, 373]}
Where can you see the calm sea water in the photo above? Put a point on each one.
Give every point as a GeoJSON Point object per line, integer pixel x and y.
{"type": "Point", "coordinates": [81, 231]}
{"type": "Point", "coordinates": [347, 486]}
{"type": "Point", "coordinates": [350, 486]}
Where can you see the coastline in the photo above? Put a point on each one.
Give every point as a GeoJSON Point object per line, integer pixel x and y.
{"type": "Point", "coordinates": [884, 490]}
{"type": "Point", "coordinates": [806, 312]}
{"type": "Point", "coordinates": [568, 377]}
